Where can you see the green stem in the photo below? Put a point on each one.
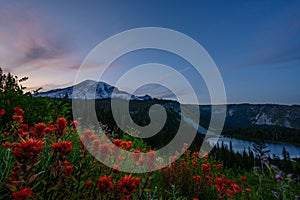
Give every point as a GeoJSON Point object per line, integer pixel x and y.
{"type": "Point", "coordinates": [146, 182]}
{"type": "Point", "coordinates": [48, 178]}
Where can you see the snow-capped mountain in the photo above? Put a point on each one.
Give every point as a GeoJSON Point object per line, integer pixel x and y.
{"type": "Point", "coordinates": [86, 90]}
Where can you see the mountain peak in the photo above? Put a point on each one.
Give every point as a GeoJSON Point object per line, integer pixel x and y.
{"type": "Point", "coordinates": [91, 89]}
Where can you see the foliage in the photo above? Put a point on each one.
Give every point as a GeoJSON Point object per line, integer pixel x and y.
{"type": "Point", "coordinates": [48, 161]}
{"type": "Point", "coordinates": [36, 109]}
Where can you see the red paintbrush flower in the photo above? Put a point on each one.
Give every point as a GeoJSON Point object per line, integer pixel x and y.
{"type": "Point", "coordinates": [136, 155]}
{"type": "Point", "coordinates": [18, 119]}
{"type": "Point", "coordinates": [206, 168]}
{"type": "Point", "coordinates": [74, 124]}
{"type": "Point", "coordinates": [151, 160]}
{"type": "Point", "coordinates": [27, 150]}
{"type": "Point", "coordinates": [104, 184]}
{"type": "Point", "coordinates": [2, 112]}
{"type": "Point", "coordinates": [18, 111]}
{"type": "Point", "coordinates": [60, 127]}
{"type": "Point", "coordinates": [243, 178]}
{"type": "Point", "coordinates": [68, 171]}
{"type": "Point", "coordinates": [62, 149]}
{"type": "Point", "coordinates": [22, 194]}
{"type": "Point", "coordinates": [39, 129]}
{"type": "Point", "coordinates": [128, 185]}
{"type": "Point", "coordinates": [105, 150]}
{"type": "Point", "coordinates": [117, 142]}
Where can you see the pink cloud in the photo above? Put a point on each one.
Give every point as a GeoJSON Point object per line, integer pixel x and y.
{"type": "Point", "coordinates": [25, 39]}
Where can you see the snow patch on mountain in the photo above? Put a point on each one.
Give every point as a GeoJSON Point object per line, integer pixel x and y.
{"type": "Point", "coordinates": [263, 119]}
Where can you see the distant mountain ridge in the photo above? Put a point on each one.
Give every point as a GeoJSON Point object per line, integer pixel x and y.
{"type": "Point", "coordinates": [238, 116]}
{"type": "Point", "coordinates": [263, 114]}
{"type": "Point", "coordinates": [90, 89]}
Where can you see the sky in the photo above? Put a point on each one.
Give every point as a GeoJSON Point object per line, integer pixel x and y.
{"type": "Point", "coordinates": [254, 44]}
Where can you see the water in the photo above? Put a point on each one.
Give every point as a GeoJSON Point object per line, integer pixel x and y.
{"type": "Point", "coordinates": [238, 145]}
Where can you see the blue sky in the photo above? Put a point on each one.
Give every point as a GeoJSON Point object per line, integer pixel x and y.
{"type": "Point", "coordinates": [255, 44]}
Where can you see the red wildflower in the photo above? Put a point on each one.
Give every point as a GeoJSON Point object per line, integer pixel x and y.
{"type": "Point", "coordinates": [128, 185]}
{"type": "Point", "coordinates": [22, 194]}
{"type": "Point", "coordinates": [104, 184]}
{"type": "Point", "coordinates": [18, 119]}
{"type": "Point", "coordinates": [49, 129]}
{"type": "Point", "coordinates": [197, 178]}
{"type": "Point", "coordinates": [27, 151]}
{"type": "Point", "coordinates": [105, 150]}
{"type": "Point", "coordinates": [68, 170]}
{"type": "Point", "coordinates": [117, 142]}
{"type": "Point", "coordinates": [61, 124]}
{"type": "Point", "coordinates": [65, 162]}
{"type": "Point", "coordinates": [248, 189]}
{"type": "Point", "coordinates": [182, 161]}
{"type": "Point", "coordinates": [18, 111]}
{"type": "Point", "coordinates": [220, 188]}
{"type": "Point", "coordinates": [151, 159]}
{"type": "Point", "coordinates": [96, 146]}
{"type": "Point", "coordinates": [63, 148]}
{"type": "Point", "coordinates": [230, 192]}
{"type": "Point", "coordinates": [194, 164]}
{"type": "Point", "coordinates": [126, 145]}
{"type": "Point", "coordinates": [87, 138]}
{"type": "Point", "coordinates": [24, 134]}
{"type": "Point", "coordinates": [205, 156]}
{"type": "Point", "coordinates": [195, 154]}
{"type": "Point", "coordinates": [74, 124]}
{"type": "Point", "coordinates": [206, 168]}
{"type": "Point", "coordinates": [7, 145]}
{"type": "Point", "coordinates": [2, 112]}
{"type": "Point", "coordinates": [25, 127]}
{"type": "Point", "coordinates": [88, 184]}
{"type": "Point", "coordinates": [39, 129]}
{"type": "Point", "coordinates": [209, 180]}
{"type": "Point", "coordinates": [236, 188]}
{"type": "Point", "coordinates": [218, 181]}
{"type": "Point", "coordinates": [141, 161]}
{"type": "Point", "coordinates": [188, 170]}
{"type": "Point", "coordinates": [243, 178]}
{"type": "Point", "coordinates": [188, 153]}
{"type": "Point", "coordinates": [136, 155]}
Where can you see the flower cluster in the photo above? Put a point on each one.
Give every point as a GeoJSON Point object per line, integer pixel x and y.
{"type": "Point", "coordinates": [26, 151]}
{"type": "Point", "coordinates": [104, 184]}
{"type": "Point", "coordinates": [128, 185]}
{"type": "Point", "coordinates": [62, 149]}
{"type": "Point", "coordinates": [22, 194]}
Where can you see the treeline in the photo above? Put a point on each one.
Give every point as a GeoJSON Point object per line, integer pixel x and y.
{"type": "Point", "coordinates": [249, 159]}
{"type": "Point", "coordinates": [267, 133]}
{"type": "Point", "coordinates": [139, 113]}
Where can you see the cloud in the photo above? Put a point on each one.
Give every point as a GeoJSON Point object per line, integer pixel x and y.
{"type": "Point", "coordinates": [50, 86]}
{"type": "Point", "coordinates": [287, 55]}
{"type": "Point", "coordinates": [26, 39]}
